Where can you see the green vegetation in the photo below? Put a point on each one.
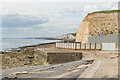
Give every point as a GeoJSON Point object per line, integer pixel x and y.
{"type": "Point", "coordinates": [108, 11]}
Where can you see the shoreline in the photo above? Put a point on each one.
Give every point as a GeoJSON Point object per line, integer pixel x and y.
{"type": "Point", "coordinates": [23, 47]}
{"type": "Point", "coordinates": [23, 57]}
{"type": "Point", "coordinates": [30, 56]}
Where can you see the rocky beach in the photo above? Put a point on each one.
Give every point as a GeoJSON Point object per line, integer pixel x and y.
{"type": "Point", "coordinates": [23, 57]}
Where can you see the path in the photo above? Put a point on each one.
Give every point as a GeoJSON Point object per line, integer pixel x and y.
{"type": "Point", "coordinates": [65, 70]}
{"type": "Point", "coordinates": [105, 66]}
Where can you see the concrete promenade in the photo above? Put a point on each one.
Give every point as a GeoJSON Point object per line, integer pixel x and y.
{"type": "Point", "coordinates": [65, 70]}
{"type": "Point", "coordinates": [104, 66]}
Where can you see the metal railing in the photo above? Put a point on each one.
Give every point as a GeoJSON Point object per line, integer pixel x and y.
{"type": "Point", "coordinates": [79, 46]}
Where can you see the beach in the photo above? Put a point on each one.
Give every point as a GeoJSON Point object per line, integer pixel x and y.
{"type": "Point", "coordinates": [22, 57]}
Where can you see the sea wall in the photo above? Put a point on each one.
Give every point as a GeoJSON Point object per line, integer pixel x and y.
{"type": "Point", "coordinates": [96, 24]}
{"type": "Point", "coordinates": [55, 58]}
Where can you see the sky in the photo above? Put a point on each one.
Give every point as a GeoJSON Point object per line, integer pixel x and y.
{"type": "Point", "coordinates": [21, 19]}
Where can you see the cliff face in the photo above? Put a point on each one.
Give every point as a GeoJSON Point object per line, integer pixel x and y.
{"type": "Point", "coordinates": [96, 24]}
{"type": "Point", "coordinates": [67, 37]}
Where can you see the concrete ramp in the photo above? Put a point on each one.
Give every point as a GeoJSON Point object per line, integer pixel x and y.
{"type": "Point", "coordinates": [89, 72]}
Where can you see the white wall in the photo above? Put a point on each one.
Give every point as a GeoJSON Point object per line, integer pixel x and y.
{"type": "Point", "coordinates": [109, 46]}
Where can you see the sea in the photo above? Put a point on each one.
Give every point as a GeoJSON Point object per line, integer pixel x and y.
{"type": "Point", "coordinates": [9, 44]}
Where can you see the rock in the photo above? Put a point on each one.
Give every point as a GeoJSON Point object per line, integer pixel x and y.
{"type": "Point", "coordinates": [96, 24]}
{"type": "Point", "coordinates": [82, 66]}
{"type": "Point", "coordinates": [17, 73]}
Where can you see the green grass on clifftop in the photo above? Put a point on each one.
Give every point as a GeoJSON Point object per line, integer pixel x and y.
{"type": "Point", "coordinates": [109, 11]}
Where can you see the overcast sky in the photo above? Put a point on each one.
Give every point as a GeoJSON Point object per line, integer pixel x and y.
{"type": "Point", "coordinates": [46, 19]}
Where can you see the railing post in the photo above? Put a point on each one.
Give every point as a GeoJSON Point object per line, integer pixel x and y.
{"type": "Point", "coordinates": [75, 46]}
{"type": "Point", "coordinates": [95, 46]}
{"type": "Point", "coordinates": [68, 45]}
{"type": "Point", "coordinates": [59, 45]}
{"type": "Point", "coordinates": [85, 46]}
{"type": "Point", "coordinates": [80, 45]}
{"type": "Point", "coordinates": [101, 46]}
{"type": "Point", "coordinates": [90, 46]}
{"type": "Point", "coordinates": [56, 45]}
{"type": "Point", "coordinates": [64, 45]}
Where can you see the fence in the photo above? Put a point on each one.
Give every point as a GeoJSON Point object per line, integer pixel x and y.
{"type": "Point", "coordinates": [79, 46]}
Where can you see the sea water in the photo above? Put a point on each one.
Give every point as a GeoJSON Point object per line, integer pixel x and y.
{"type": "Point", "coordinates": [8, 44]}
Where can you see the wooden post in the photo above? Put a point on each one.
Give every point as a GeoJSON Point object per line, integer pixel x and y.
{"type": "Point", "coordinates": [85, 46]}
{"type": "Point", "coordinates": [95, 46]}
{"type": "Point", "coordinates": [59, 45]}
{"type": "Point", "coordinates": [56, 44]}
{"type": "Point", "coordinates": [75, 46]}
{"type": "Point", "coordinates": [65, 45]}
{"type": "Point", "coordinates": [101, 46]}
{"type": "Point", "coordinates": [80, 45]}
{"type": "Point", "coordinates": [90, 45]}
{"type": "Point", "coordinates": [68, 45]}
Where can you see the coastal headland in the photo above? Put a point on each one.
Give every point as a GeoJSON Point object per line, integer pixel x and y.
{"type": "Point", "coordinates": [98, 24]}
{"type": "Point", "coordinates": [47, 61]}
